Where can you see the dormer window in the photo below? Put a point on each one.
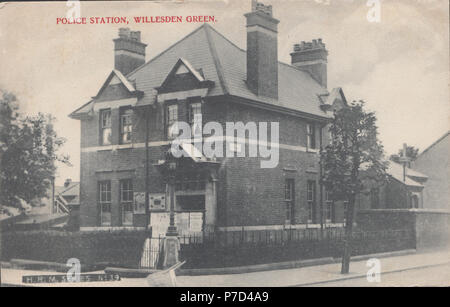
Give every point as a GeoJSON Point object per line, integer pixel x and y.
{"type": "Point", "coordinates": [126, 125]}
{"type": "Point", "coordinates": [105, 127]}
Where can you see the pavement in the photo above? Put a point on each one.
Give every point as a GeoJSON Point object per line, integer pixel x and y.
{"type": "Point", "coordinates": [421, 265]}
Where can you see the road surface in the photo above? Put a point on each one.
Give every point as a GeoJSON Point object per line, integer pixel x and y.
{"type": "Point", "coordinates": [436, 276]}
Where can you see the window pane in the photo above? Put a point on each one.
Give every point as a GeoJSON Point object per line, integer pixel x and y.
{"type": "Point", "coordinates": [289, 189]}
{"type": "Point", "coordinates": [172, 118]}
{"type": "Point", "coordinates": [310, 190]}
{"type": "Point", "coordinates": [106, 136]}
{"type": "Point", "coordinates": [127, 214]}
{"type": "Point", "coordinates": [172, 113]}
{"type": "Point", "coordinates": [106, 218]}
{"type": "Point", "coordinates": [105, 191]}
{"type": "Point", "coordinates": [106, 118]}
{"type": "Point", "coordinates": [126, 190]}
{"type": "Point", "coordinates": [126, 125]}
{"type": "Point", "coordinates": [194, 110]}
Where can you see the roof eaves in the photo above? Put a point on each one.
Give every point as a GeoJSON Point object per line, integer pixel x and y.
{"type": "Point", "coordinates": [285, 110]}
{"type": "Point", "coordinates": [76, 116]}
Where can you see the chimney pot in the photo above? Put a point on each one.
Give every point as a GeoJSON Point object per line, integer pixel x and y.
{"type": "Point", "coordinates": [262, 55]}
{"type": "Point", "coordinates": [135, 35]}
{"type": "Point", "coordinates": [129, 51]}
{"type": "Point", "coordinates": [124, 32]}
{"type": "Point", "coordinates": [312, 57]}
{"type": "Point", "coordinates": [67, 182]}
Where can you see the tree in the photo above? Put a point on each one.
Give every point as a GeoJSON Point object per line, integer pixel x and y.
{"type": "Point", "coordinates": [411, 153]}
{"type": "Point", "coordinates": [353, 162]}
{"type": "Point", "coordinates": [28, 152]}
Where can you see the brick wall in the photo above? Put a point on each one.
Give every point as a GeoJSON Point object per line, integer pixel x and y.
{"type": "Point", "coordinates": [246, 194]}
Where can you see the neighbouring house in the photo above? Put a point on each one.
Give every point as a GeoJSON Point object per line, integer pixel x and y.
{"type": "Point", "coordinates": [67, 197]}
{"type": "Point", "coordinates": [67, 200]}
{"type": "Point", "coordinates": [128, 126]}
{"type": "Point", "coordinates": [404, 189]}
{"type": "Point", "coordinates": [433, 162]}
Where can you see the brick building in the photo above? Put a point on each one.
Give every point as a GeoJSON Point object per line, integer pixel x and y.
{"type": "Point", "coordinates": [433, 162]}
{"type": "Point", "coordinates": [126, 131]}
{"type": "Point", "coordinates": [404, 189]}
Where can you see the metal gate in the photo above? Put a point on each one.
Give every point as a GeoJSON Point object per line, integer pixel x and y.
{"type": "Point", "coordinates": [151, 253]}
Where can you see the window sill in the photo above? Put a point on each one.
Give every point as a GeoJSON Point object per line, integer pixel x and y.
{"type": "Point", "coordinates": [125, 146]}
{"type": "Point", "coordinates": [105, 148]}
{"type": "Point", "coordinates": [310, 150]}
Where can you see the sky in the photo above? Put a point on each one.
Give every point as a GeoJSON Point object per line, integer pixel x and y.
{"type": "Point", "coordinates": [399, 66]}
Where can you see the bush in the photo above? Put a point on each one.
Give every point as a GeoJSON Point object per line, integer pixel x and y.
{"type": "Point", "coordinates": [122, 249]}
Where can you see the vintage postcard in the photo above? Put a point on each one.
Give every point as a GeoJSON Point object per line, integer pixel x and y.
{"type": "Point", "coordinates": [224, 143]}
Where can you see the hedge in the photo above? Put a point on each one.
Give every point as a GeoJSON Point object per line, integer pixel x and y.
{"type": "Point", "coordinates": [123, 249]}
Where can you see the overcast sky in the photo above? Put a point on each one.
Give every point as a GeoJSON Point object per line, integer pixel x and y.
{"type": "Point", "coordinates": [399, 66]}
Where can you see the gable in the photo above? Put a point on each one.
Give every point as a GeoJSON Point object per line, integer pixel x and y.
{"type": "Point", "coordinates": [183, 77]}
{"type": "Point", "coordinates": [114, 92]}
{"type": "Point", "coordinates": [115, 87]}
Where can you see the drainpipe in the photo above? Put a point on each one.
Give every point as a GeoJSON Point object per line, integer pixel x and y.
{"type": "Point", "coordinates": [147, 208]}
{"type": "Point", "coordinates": [320, 180]}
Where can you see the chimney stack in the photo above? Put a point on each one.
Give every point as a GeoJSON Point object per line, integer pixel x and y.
{"type": "Point", "coordinates": [67, 182]}
{"type": "Point", "coordinates": [312, 57]}
{"type": "Point", "coordinates": [129, 51]}
{"type": "Point", "coordinates": [262, 51]}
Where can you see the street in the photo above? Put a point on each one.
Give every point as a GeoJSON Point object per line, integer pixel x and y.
{"type": "Point", "coordinates": [418, 269]}
{"type": "Point", "coordinates": [438, 276]}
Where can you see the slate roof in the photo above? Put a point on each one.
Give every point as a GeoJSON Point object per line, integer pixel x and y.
{"type": "Point", "coordinates": [72, 191]}
{"type": "Point", "coordinates": [396, 171]}
{"type": "Point", "coordinates": [224, 63]}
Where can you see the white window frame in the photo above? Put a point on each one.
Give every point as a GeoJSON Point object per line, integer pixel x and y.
{"type": "Point", "coordinates": [105, 127]}
{"type": "Point", "coordinates": [311, 200]}
{"type": "Point", "coordinates": [126, 125]}
{"type": "Point", "coordinates": [126, 203]}
{"type": "Point", "coordinates": [289, 199]}
{"type": "Point", "coordinates": [310, 136]}
{"type": "Point", "coordinates": [172, 119]}
{"type": "Point", "coordinates": [105, 202]}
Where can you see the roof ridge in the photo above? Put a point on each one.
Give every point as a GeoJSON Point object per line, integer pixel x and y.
{"type": "Point", "coordinates": [434, 143]}
{"type": "Point", "coordinates": [165, 50]}
{"type": "Point", "coordinates": [216, 59]}
{"type": "Point", "coordinates": [244, 50]}
{"type": "Point", "coordinates": [70, 187]}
